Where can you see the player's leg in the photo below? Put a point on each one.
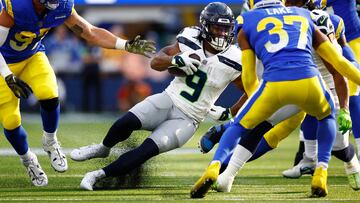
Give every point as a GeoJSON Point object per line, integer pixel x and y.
{"type": "Point", "coordinates": [308, 162]}
{"type": "Point", "coordinates": [279, 132]}
{"type": "Point", "coordinates": [17, 136]}
{"type": "Point", "coordinates": [41, 78]}
{"type": "Point", "coordinates": [251, 114]}
{"type": "Point", "coordinates": [344, 151]}
{"type": "Point", "coordinates": [320, 105]}
{"type": "Point", "coordinates": [169, 135]}
{"type": "Point", "coordinates": [146, 115]}
{"type": "Point", "coordinates": [354, 102]}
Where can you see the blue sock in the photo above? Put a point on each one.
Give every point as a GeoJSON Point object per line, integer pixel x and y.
{"type": "Point", "coordinates": [309, 127]}
{"type": "Point", "coordinates": [18, 139]}
{"type": "Point", "coordinates": [326, 133]}
{"type": "Point", "coordinates": [262, 149]}
{"type": "Point", "coordinates": [50, 119]}
{"type": "Point", "coordinates": [228, 142]}
{"type": "Point", "coordinates": [354, 106]}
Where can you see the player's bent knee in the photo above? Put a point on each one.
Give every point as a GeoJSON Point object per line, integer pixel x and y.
{"type": "Point", "coordinates": [45, 92]}
{"type": "Point", "coordinates": [49, 104]}
{"type": "Point", "coordinates": [11, 122]}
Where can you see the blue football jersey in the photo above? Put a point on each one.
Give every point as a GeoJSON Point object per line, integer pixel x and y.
{"type": "Point", "coordinates": [282, 39]}
{"type": "Point", "coordinates": [24, 38]}
{"type": "Point", "coordinates": [338, 23]}
{"type": "Point", "coordinates": [346, 9]}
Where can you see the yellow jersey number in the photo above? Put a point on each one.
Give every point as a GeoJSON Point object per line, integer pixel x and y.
{"type": "Point", "coordinates": [283, 35]}
{"type": "Point", "coordinates": [23, 39]}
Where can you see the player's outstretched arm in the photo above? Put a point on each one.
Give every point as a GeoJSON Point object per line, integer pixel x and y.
{"type": "Point", "coordinates": [103, 38]}
{"type": "Point", "coordinates": [328, 52]}
{"type": "Point", "coordinates": [17, 86]}
{"type": "Point", "coordinates": [248, 59]}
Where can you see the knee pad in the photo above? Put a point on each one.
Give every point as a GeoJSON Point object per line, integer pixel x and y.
{"type": "Point", "coordinates": [12, 121]}
{"type": "Point", "coordinates": [49, 104]}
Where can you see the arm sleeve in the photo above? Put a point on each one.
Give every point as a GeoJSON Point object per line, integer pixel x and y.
{"type": "Point", "coordinates": [248, 76]}
{"type": "Point", "coordinates": [349, 55]}
{"type": "Point", "coordinates": [328, 52]}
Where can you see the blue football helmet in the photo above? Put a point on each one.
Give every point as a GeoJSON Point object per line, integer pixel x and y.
{"type": "Point", "coordinates": [261, 3]}
{"type": "Point", "coordinates": [50, 4]}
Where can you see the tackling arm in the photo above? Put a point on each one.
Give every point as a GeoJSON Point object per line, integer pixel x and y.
{"type": "Point", "coordinates": [328, 52]}
{"type": "Point", "coordinates": [249, 77]}
{"type": "Point", "coordinates": [103, 38]}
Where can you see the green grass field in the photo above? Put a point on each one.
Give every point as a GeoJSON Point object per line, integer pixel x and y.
{"type": "Point", "coordinates": [168, 177]}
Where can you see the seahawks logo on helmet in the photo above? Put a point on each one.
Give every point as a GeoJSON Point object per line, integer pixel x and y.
{"type": "Point", "coordinates": [322, 21]}
{"type": "Point", "coordinates": [217, 25]}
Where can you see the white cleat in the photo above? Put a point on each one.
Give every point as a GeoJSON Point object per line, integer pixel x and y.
{"type": "Point", "coordinates": [223, 183]}
{"type": "Point", "coordinates": [57, 157]}
{"type": "Point", "coordinates": [35, 172]}
{"type": "Point", "coordinates": [90, 152]}
{"type": "Point", "coordinates": [305, 166]}
{"type": "Point", "coordinates": [89, 180]}
{"type": "Point", "coordinates": [352, 170]}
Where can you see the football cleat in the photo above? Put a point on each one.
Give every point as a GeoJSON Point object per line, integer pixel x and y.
{"type": "Point", "coordinates": [305, 166]}
{"type": "Point", "coordinates": [319, 183]}
{"type": "Point", "coordinates": [203, 185]}
{"type": "Point", "coordinates": [90, 152]}
{"type": "Point", "coordinates": [211, 137]}
{"type": "Point", "coordinates": [223, 183]}
{"type": "Point", "coordinates": [35, 172]}
{"type": "Point", "coordinates": [57, 157]}
{"type": "Point", "coordinates": [352, 170]}
{"type": "Point", "coordinates": [89, 180]}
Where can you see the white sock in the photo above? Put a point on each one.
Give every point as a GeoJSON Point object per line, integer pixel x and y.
{"type": "Point", "coordinates": [103, 147]}
{"type": "Point", "coordinates": [353, 166]}
{"type": "Point", "coordinates": [27, 156]}
{"type": "Point", "coordinates": [100, 173]}
{"type": "Point", "coordinates": [49, 136]}
{"type": "Point", "coordinates": [240, 156]}
{"type": "Point", "coordinates": [301, 136]}
{"type": "Point", "coordinates": [311, 149]}
{"type": "Point", "coordinates": [357, 141]}
{"type": "Point", "coordinates": [323, 164]}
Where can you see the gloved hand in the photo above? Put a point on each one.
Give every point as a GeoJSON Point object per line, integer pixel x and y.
{"type": "Point", "coordinates": [185, 63]}
{"type": "Point", "coordinates": [220, 113]}
{"type": "Point", "coordinates": [344, 120]}
{"type": "Point", "coordinates": [19, 87]}
{"type": "Point", "coordinates": [139, 46]}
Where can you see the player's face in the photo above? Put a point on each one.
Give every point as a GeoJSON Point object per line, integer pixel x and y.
{"type": "Point", "coordinates": [220, 30]}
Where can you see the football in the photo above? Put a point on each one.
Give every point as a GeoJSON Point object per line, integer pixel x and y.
{"type": "Point", "coordinates": [180, 73]}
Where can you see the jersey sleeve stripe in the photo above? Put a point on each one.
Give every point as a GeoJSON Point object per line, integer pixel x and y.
{"type": "Point", "coordinates": [339, 29]}
{"type": "Point", "coordinates": [230, 63]}
{"type": "Point", "coordinates": [188, 43]}
{"type": "Point", "coordinates": [9, 8]}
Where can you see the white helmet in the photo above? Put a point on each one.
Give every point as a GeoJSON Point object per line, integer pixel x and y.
{"type": "Point", "coordinates": [322, 21]}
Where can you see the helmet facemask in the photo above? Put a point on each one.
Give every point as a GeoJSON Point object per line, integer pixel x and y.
{"type": "Point", "coordinates": [219, 35]}
{"type": "Point", "coordinates": [50, 4]}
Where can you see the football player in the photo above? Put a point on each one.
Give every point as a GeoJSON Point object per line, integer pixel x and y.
{"type": "Point", "coordinates": [25, 68]}
{"type": "Point", "coordinates": [347, 11]}
{"type": "Point", "coordinates": [283, 75]}
{"type": "Point", "coordinates": [174, 115]}
{"type": "Point", "coordinates": [342, 148]}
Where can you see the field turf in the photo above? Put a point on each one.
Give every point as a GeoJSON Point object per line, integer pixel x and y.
{"type": "Point", "coordinates": [166, 178]}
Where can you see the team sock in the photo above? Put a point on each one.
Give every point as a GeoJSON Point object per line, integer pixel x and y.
{"type": "Point", "coordinates": [18, 139]}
